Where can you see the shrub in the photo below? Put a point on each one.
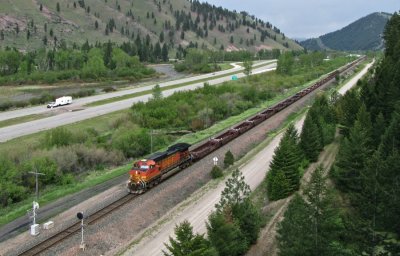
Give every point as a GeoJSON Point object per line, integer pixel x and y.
{"type": "Point", "coordinates": [21, 104]}
{"type": "Point", "coordinates": [216, 172]}
{"type": "Point", "coordinates": [229, 159]}
{"type": "Point", "coordinates": [132, 142]}
{"type": "Point", "coordinates": [45, 97]}
{"type": "Point", "coordinates": [83, 93]}
{"type": "Point", "coordinates": [5, 105]}
{"type": "Point", "coordinates": [66, 159]}
{"type": "Point", "coordinates": [34, 101]}
{"type": "Point", "coordinates": [57, 137]}
{"type": "Point", "coordinates": [67, 179]}
{"type": "Point", "coordinates": [109, 89]}
{"type": "Point", "coordinates": [180, 67]}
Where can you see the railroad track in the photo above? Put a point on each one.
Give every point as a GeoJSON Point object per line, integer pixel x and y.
{"type": "Point", "coordinates": [200, 151]}
{"type": "Point", "coordinates": [62, 235]}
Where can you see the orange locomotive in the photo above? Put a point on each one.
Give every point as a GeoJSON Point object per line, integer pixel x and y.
{"type": "Point", "coordinates": [148, 172]}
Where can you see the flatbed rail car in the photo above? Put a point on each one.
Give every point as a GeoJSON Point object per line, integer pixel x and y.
{"type": "Point", "coordinates": [148, 172]}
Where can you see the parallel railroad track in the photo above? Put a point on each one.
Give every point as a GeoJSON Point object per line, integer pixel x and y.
{"type": "Point", "coordinates": [199, 152]}
{"type": "Point", "coordinates": [63, 234]}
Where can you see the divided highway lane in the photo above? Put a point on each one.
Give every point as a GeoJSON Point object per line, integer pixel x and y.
{"type": "Point", "coordinates": [42, 109]}
{"type": "Point", "coordinates": [15, 131]}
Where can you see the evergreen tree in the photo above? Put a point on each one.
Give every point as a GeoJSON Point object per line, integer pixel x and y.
{"type": "Point", "coordinates": [164, 53]}
{"type": "Point", "coordinates": [162, 37]}
{"type": "Point", "coordinates": [310, 139]}
{"type": "Point", "coordinates": [294, 233]}
{"type": "Point", "coordinates": [58, 7]}
{"type": "Point", "coordinates": [283, 177]}
{"type": "Point", "coordinates": [228, 159]}
{"type": "Point", "coordinates": [157, 51]}
{"type": "Point", "coordinates": [312, 226]}
{"type": "Point", "coordinates": [188, 244]}
{"type": "Point", "coordinates": [347, 110]}
{"type": "Point", "coordinates": [108, 55]}
{"type": "Point", "coordinates": [354, 152]}
{"type": "Point", "coordinates": [235, 192]}
{"type": "Point", "coordinates": [226, 236]}
{"type": "Point", "coordinates": [278, 185]}
{"type": "Point", "coordinates": [249, 219]}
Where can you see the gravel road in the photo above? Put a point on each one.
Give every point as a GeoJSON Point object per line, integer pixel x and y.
{"type": "Point", "coordinates": [354, 80]}
{"type": "Point", "coordinates": [14, 131]}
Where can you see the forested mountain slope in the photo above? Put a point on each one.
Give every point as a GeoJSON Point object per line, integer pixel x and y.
{"type": "Point", "coordinates": [31, 24]}
{"type": "Point", "coordinates": [363, 34]}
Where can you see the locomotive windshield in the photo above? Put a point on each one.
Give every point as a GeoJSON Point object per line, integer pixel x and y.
{"type": "Point", "coordinates": [144, 168]}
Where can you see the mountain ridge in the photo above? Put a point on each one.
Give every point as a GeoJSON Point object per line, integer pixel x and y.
{"type": "Point", "coordinates": [360, 35]}
{"type": "Point", "coordinates": [28, 25]}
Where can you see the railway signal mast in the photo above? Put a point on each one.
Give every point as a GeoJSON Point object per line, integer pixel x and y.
{"type": "Point", "coordinates": [80, 216]}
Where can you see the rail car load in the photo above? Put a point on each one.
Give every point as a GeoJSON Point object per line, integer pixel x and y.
{"type": "Point", "coordinates": [148, 172]}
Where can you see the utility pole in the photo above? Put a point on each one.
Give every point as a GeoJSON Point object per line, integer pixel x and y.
{"type": "Point", "coordinates": [37, 183]}
{"type": "Point", "coordinates": [35, 205]}
{"type": "Point", "coordinates": [151, 141]}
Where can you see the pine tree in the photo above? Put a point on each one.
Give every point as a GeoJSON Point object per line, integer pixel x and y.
{"type": "Point", "coordinates": [164, 53]}
{"type": "Point", "coordinates": [229, 159]}
{"type": "Point", "coordinates": [284, 167]}
{"type": "Point", "coordinates": [107, 58]}
{"type": "Point", "coordinates": [58, 7]}
{"type": "Point", "coordinates": [310, 139]}
{"type": "Point", "coordinates": [353, 154]}
{"type": "Point", "coordinates": [249, 219]}
{"type": "Point", "coordinates": [188, 244]}
{"type": "Point", "coordinates": [162, 37]}
{"type": "Point", "coordinates": [226, 236]}
{"type": "Point", "coordinates": [294, 232]}
{"type": "Point", "coordinates": [278, 185]}
{"type": "Point", "coordinates": [235, 192]}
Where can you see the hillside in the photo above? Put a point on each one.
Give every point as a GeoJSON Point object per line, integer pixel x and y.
{"type": "Point", "coordinates": [32, 24]}
{"type": "Point", "coordinates": [363, 34]}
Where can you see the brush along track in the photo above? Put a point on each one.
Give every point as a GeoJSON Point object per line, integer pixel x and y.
{"type": "Point", "coordinates": [62, 235]}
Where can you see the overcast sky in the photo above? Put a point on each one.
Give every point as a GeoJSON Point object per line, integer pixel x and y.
{"type": "Point", "coordinates": [309, 18]}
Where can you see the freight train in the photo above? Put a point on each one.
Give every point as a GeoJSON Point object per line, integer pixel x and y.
{"type": "Point", "coordinates": [149, 172]}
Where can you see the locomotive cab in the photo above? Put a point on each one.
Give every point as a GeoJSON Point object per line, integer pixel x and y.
{"type": "Point", "coordinates": [141, 174]}
{"type": "Point", "coordinates": [148, 172]}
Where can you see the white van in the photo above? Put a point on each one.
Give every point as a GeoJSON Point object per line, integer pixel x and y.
{"type": "Point", "coordinates": [65, 100]}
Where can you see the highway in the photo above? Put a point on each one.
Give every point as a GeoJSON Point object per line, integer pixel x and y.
{"type": "Point", "coordinates": [18, 130]}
